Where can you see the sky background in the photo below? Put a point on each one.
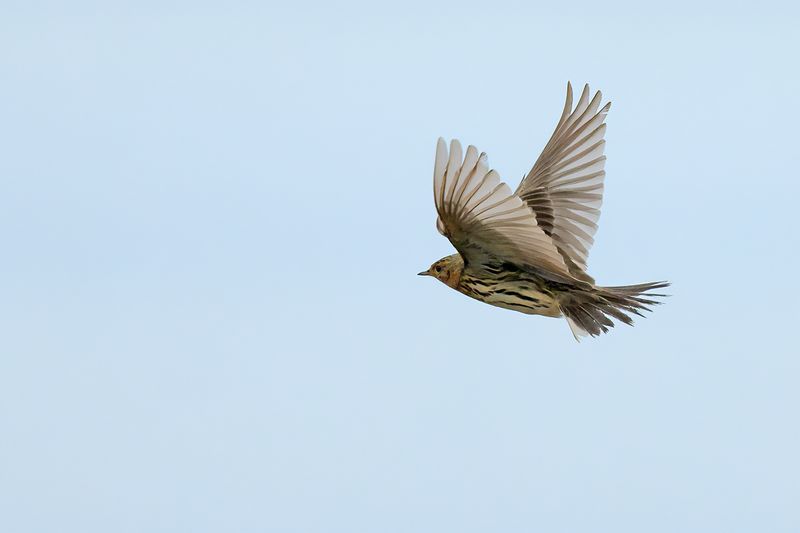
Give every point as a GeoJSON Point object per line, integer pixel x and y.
{"type": "Point", "coordinates": [211, 220]}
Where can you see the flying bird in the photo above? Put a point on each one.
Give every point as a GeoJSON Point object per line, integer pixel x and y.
{"type": "Point", "coordinates": [527, 250]}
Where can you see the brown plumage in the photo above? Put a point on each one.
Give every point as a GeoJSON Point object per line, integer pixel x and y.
{"type": "Point", "coordinates": [527, 250]}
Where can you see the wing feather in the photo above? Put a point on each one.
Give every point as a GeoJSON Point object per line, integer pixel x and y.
{"type": "Point", "coordinates": [565, 186]}
{"type": "Point", "coordinates": [484, 219]}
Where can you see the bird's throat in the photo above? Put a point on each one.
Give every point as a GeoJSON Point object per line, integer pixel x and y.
{"type": "Point", "coordinates": [454, 279]}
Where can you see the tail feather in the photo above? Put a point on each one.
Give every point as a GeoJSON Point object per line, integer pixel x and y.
{"type": "Point", "coordinates": [589, 312]}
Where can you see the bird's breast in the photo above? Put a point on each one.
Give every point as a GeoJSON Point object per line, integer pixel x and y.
{"type": "Point", "coordinates": [517, 291]}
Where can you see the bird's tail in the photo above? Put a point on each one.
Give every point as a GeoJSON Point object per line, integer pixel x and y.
{"type": "Point", "coordinates": [589, 311]}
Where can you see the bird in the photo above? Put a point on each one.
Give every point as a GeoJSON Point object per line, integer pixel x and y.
{"type": "Point", "coordinates": [527, 251]}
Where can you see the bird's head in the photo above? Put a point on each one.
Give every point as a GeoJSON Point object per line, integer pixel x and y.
{"type": "Point", "coordinates": [447, 270]}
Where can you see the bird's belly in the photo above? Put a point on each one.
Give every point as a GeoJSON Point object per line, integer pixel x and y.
{"type": "Point", "coordinates": [522, 296]}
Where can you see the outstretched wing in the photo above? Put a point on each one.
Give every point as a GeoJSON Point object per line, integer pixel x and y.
{"type": "Point", "coordinates": [484, 219]}
{"type": "Point", "coordinates": [565, 186]}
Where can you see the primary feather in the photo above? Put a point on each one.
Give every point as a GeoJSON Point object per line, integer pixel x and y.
{"type": "Point", "coordinates": [565, 186]}
{"type": "Point", "coordinates": [483, 218]}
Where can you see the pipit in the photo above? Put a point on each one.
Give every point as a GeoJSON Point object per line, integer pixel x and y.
{"type": "Point", "coordinates": [526, 251]}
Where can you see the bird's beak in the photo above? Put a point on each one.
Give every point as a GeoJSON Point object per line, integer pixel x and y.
{"type": "Point", "coordinates": [425, 273]}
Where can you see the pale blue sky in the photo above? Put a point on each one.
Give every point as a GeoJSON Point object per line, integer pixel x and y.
{"type": "Point", "coordinates": [212, 219]}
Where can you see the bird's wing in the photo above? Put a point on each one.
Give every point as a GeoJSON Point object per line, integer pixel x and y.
{"type": "Point", "coordinates": [565, 186]}
{"type": "Point", "coordinates": [483, 218]}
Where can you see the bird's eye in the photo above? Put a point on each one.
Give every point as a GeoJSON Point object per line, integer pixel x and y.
{"type": "Point", "coordinates": [438, 269]}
